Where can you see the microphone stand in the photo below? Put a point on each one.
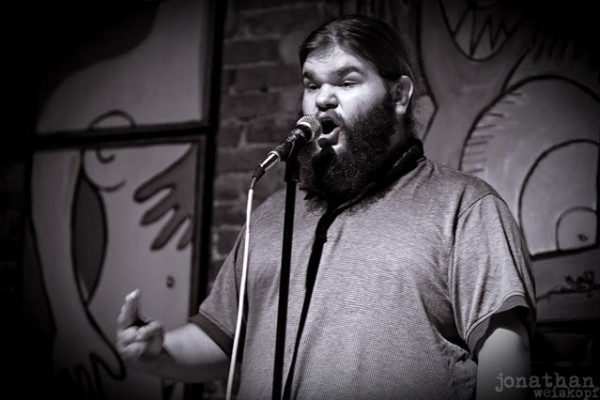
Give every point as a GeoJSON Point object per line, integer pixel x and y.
{"type": "Point", "coordinates": [291, 179]}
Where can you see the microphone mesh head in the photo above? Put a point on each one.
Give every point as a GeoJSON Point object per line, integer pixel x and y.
{"type": "Point", "coordinates": [313, 125]}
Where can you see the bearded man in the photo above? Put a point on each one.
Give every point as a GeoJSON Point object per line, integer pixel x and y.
{"type": "Point", "coordinates": [408, 279]}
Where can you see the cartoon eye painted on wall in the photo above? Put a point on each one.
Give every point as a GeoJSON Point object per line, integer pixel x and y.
{"type": "Point", "coordinates": [538, 146]}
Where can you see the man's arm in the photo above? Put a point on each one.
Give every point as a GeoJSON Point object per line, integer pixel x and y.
{"type": "Point", "coordinates": [504, 353]}
{"type": "Point", "coordinates": [185, 354]}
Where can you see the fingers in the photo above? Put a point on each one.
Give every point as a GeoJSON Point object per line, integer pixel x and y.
{"type": "Point", "coordinates": [149, 331]}
{"type": "Point", "coordinates": [137, 338]}
{"type": "Point", "coordinates": [129, 314]}
{"type": "Point", "coordinates": [153, 334]}
{"type": "Point", "coordinates": [126, 337]}
{"type": "Point", "coordinates": [134, 342]}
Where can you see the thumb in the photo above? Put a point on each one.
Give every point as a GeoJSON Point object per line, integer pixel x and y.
{"type": "Point", "coordinates": [129, 314]}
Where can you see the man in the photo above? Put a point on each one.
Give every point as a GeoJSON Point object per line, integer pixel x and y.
{"type": "Point", "coordinates": [408, 279]}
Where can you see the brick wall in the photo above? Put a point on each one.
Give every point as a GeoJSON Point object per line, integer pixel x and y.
{"type": "Point", "coordinates": [260, 100]}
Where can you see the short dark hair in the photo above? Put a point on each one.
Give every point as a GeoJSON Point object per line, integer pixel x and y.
{"type": "Point", "coordinates": [371, 39]}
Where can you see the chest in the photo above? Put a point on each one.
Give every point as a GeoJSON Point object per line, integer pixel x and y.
{"type": "Point", "coordinates": [371, 261]}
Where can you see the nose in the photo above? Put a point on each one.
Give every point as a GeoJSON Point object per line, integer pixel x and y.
{"type": "Point", "coordinates": [326, 98]}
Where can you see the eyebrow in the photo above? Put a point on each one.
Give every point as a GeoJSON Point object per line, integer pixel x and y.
{"type": "Point", "coordinates": [338, 73]}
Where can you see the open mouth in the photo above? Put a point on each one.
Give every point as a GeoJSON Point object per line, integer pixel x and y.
{"type": "Point", "coordinates": [328, 125]}
{"type": "Point", "coordinates": [329, 133]}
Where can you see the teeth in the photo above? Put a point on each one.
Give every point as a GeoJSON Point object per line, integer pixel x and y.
{"type": "Point", "coordinates": [480, 30]}
{"type": "Point", "coordinates": [482, 44]}
{"type": "Point", "coordinates": [455, 12]}
{"type": "Point", "coordinates": [463, 33]}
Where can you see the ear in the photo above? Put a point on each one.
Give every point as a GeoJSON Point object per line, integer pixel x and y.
{"type": "Point", "coordinates": [401, 92]}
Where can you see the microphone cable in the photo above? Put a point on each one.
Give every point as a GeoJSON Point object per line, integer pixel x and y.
{"type": "Point", "coordinates": [243, 284]}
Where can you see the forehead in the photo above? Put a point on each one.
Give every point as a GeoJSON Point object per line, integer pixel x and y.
{"type": "Point", "coordinates": [330, 59]}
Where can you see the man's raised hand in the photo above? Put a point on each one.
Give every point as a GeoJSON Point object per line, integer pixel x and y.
{"type": "Point", "coordinates": [139, 342]}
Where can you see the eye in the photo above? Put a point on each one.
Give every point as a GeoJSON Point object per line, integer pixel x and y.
{"type": "Point", "coordinates": [310, 86]}
{"type": "Point", "coordinates": [348, 84]}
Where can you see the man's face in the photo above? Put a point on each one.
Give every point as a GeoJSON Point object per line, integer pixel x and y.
{"type": "Point", "coordinates": [339, 88]}
{"type": "Point", "coordinates": [358, 117]}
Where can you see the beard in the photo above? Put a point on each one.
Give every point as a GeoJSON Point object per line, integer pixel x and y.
{"type": "Point", "coordinates": [336, 178]}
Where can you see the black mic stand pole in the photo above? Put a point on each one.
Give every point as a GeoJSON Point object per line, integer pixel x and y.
{"type": "Point", "coordinates": [291, 179]}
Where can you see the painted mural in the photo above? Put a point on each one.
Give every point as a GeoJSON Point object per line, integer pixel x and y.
{"type": "Point", "coordinates": [157, 80]}
{"type": "Point", "coordinates": [105, 222]}
{"type": "Point", "coordinates": [109, 215]}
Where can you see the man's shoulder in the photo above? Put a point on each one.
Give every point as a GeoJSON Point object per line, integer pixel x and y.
{"type": "Point", "coordinates": [270, 206]}
{"type": "Point", "coordinates": [443, 183]}
{"type": "Point", "coordinates": [446, 176]}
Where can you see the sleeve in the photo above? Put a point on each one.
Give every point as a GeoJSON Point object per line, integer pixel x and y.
{"type": "Point", "coordinates": [490, 271]}
{"type": "Point", "coordinates": [217, 314]}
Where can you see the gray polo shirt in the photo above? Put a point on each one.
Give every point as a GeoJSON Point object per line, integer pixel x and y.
{"type": "Point", "coordinates": [404, 290]}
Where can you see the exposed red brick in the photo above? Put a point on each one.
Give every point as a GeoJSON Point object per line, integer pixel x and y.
{"type": "Point", "coordinates": [265, 131]}
{"type": "Point", "coordinates": [249, 105]}
{"type": "Point", "coordinates": [229, 135]}
{"type": "Point", "coordinates": [241, 159]}
{"type": "Point", "coordinates": [227, 78]}
{"type": "Point", "coordinates": [270, 130]}
{"type": "Point", "coordinates": [250, 51]}
{"type": "Point", "coordinates": [284, 75]}
{"type": "Point", "coordinates": [230, 186]}
{"type": "Point", "coordinates": [251, 78]}
{"type": "Point", "coordinates": [281, 20]}
{"type": "Point", "coordinates": [229, 215]}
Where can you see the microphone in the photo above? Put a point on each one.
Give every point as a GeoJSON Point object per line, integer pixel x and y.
{"type": "Point", "coordinates": [304, 131]}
